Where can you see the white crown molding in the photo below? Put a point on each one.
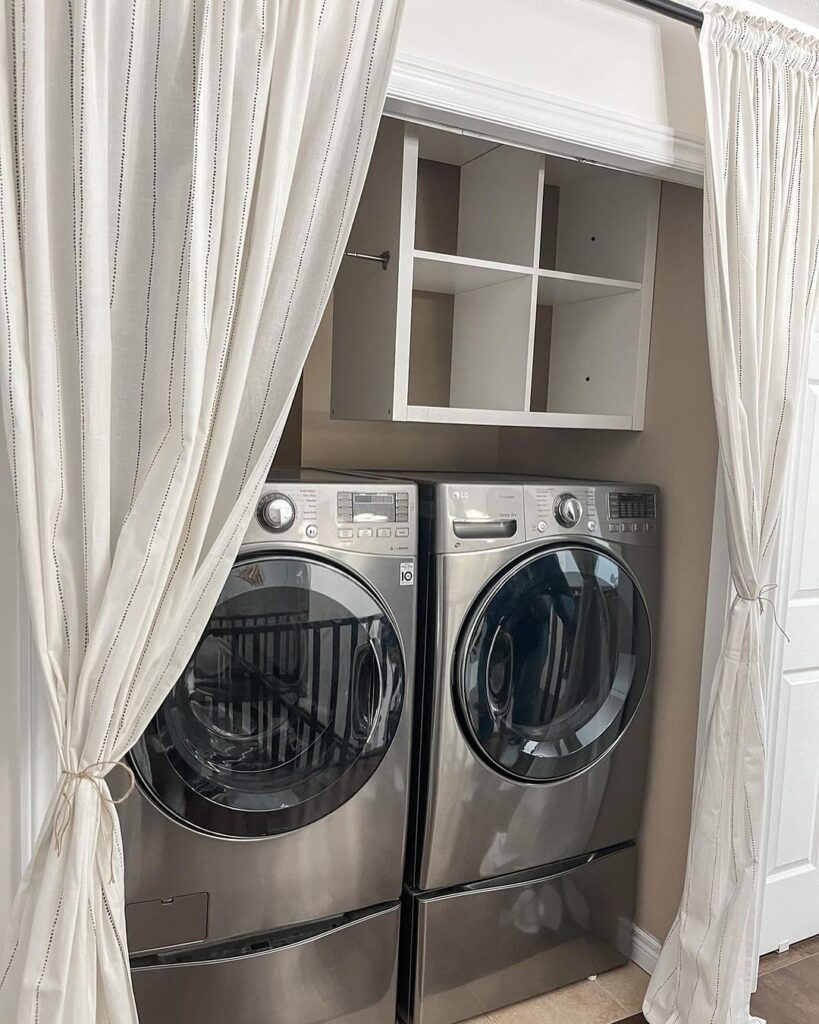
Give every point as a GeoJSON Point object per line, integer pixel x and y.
{"type": "Point", "coordinates": [424, 90]}
{"type": "Point", "coordinates": [645, 949]}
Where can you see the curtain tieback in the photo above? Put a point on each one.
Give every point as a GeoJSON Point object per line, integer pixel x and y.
{"type": "Point", "coordinates": [95, 774]}
{"type": "Point", "coordinates": [760, 598]}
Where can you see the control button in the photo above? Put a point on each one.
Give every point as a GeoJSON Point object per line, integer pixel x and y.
{"type": "Point", "coordinates": [402, 531]}
{"type": "Point", "coordinates": [365, 532]}
{"type": "Point", "coordinates": [345, 534]}
{"type": "Point", "coordinates": [311, 530]}
{"type": "Point", "coordinates": [615, 527]}
{"type": "Point", "coordinates": [568, 510]}
{"type": "Point", "coordinates": [276, 512]}
{"type": "Point", "coordinates": [629, 527]}
{"type": "Point", "coordinates": [541, 527]}
{"type": "Point", "coordinates": [592, 525]}
{"type": "Point", "coordinates": [383, 533]}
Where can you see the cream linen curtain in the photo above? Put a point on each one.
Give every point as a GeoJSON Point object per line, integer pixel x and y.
{"type": "Point", "coordinates": [761, 246]}
{"type": "Point", "coordinates": [177, 180]}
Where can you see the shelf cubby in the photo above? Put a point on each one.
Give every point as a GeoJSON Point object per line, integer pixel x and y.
{"type": "Point", "coordinates": [518, 289]}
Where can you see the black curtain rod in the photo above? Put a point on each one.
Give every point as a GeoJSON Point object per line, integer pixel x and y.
{"type": "Point", "coordinates": [672, 10]}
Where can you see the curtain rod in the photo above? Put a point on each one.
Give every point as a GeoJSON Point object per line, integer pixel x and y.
{"type": "Point", "coordinates": [673, 10]}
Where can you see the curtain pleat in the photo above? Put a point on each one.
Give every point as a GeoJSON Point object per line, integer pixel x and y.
{"type": "Point", "coordinates": [761, 243]}
{"type": "Point", "coordinates": [177, 181]}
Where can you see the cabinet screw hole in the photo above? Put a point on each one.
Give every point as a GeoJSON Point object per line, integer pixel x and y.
{"type": "Point", "coordinates": [594, 238]}
{"type": "Point", "coordinates": [588, 378]}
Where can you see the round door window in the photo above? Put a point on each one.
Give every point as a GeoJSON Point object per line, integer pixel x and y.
{"type": "Point", "coordinates": [287, 706]}
{"type": "Point", "coordinates": [552, 663]}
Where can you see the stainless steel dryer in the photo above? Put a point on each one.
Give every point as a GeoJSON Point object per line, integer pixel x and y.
{"type": "Point", "coordinates": [532, 735]}
{"type": "Point", "coordinates": [264, 846]}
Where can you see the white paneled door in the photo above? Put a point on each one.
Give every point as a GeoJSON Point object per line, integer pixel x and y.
{"type": "Point", "coordinates": [791, 898]}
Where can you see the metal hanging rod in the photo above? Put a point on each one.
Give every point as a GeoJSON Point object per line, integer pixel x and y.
{"type": "Point", "coordinates": [672, 10]}
{"type": "Point", "coordinates": [383, 257]}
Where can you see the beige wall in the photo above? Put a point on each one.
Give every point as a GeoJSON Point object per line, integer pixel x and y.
{"type": "Point", "coordinates": [677, 450]}
{"type": "Point", "coordinates": [375, 445]}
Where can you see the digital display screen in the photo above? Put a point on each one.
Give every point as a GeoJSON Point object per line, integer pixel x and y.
{"type": "Point", "coordinates": [373, 507]}
{"type": "Point", "coordinates": [632, 506]}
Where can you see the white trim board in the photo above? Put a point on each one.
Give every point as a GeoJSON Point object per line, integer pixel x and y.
{"type": "Point", "coordinates": [645, 949]}
{"type": "Point", "coordinates": [433, 93]}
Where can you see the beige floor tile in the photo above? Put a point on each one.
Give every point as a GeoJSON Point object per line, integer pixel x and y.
{"type": "Point", "coordinates": [583, 1003]}
{"type": "Point", "coordinates": [627, 984]}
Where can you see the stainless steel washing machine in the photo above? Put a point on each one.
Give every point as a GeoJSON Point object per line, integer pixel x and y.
{"type": "Point", "coordinates": [532, 733]}
{"type": "Point", "coordinates": [264, 845]}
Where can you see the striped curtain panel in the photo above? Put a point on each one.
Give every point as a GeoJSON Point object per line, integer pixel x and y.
{"type": "Point", "coordinates": [761, 248]}
{"type": "Point", "coordinates": [177, 181]}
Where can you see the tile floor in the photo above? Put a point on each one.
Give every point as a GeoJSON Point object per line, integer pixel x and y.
{"type": "Point", "coordinates": [788, 993]}
{"type": "Point", "coordinates": [613, 997]}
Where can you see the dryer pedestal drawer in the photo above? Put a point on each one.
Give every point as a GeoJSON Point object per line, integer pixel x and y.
{"type": "Point", "coordinates": [475, 948]}
{"type": "Point", "coordinates": [346, 974]}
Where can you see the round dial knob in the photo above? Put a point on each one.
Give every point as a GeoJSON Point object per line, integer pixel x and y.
{"type": "Point", "coordinates": [568, 510]}
{"type": "Point", "coordinates": [276, 512]}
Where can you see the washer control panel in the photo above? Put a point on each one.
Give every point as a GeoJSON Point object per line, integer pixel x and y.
{"type": "Point", "coordinates": [378, 519]}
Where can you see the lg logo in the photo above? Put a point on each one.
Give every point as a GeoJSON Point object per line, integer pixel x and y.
{"type": "Point", "coordinates": [407, 574]}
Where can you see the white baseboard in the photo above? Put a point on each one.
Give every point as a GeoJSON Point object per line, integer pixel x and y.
{"type": "Point", "coordinates": [645, 949]}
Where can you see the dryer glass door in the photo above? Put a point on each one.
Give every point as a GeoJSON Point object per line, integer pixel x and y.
{"type": "Point", "coordinates": [552, 663]}
{"type": "Point", "coordinates": [287, 706]}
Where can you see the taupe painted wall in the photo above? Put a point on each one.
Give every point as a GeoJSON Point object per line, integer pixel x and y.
{"type": "Point", "coordinates": [677, 450]}
{"type": "Point", "coordinates": [358, 444]}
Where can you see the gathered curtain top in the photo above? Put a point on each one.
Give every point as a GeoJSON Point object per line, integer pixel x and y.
{"type": "Point", "coordinates": [769, 41]}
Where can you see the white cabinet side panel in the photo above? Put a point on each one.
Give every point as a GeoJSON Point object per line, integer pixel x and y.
{"type": "Point", "coordinates": [365, 296]}
{"type": "Point", "coordinates": [497, 219]}
{"type": "Point", "coordinates": [490, 346]}
{"type": "Point", "coordinates": [594, 355]}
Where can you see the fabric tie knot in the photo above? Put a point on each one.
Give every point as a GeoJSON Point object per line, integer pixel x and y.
{"type": "Point", "coordinates": [95, 774]}
{"type": "Point", "coordinates": [761, 598]}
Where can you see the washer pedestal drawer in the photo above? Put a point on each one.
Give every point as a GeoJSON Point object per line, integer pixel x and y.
{"type": "Point", "coordinates": [345, 974]}
{"type": "Point", "coordinates": [474, 948]}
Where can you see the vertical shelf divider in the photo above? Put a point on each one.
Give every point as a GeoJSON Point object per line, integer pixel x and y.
{"type": "Point", "coordinates": [641, 369]}
{"type": "Point", "coordinates": [406, 256]}
{"type": "Point", "coordinates": [530, 349]}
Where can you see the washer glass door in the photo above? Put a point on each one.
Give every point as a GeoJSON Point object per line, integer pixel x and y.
{"type": "Point", "coordinates": [287, 706]}
{"type": "Point", "coordinates": [552, 663]}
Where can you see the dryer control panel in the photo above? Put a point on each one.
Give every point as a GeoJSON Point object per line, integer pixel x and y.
{"type": "Point", "coordinates": [626, 514]}
{"type": "Point", "coordinates": [378, 519]}
{"type": "Point", "coordinates": [476, 515]}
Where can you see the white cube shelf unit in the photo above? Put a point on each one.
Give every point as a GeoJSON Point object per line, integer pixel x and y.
{"type": "Point", "coordinates": [517, 292]}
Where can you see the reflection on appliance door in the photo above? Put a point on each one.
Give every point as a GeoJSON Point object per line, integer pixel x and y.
{"type": "Point", "coordinates": [552, 663]}
{"type": "Point", "coordinates": [287, 706]}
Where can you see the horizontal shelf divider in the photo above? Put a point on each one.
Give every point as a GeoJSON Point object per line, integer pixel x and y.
{"type": "Point", "coordinates": [557, 288]}
{"type": "Point", "coordinates": [516, 418]}
{"type": "Point", "coordinates": [442, 272]}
